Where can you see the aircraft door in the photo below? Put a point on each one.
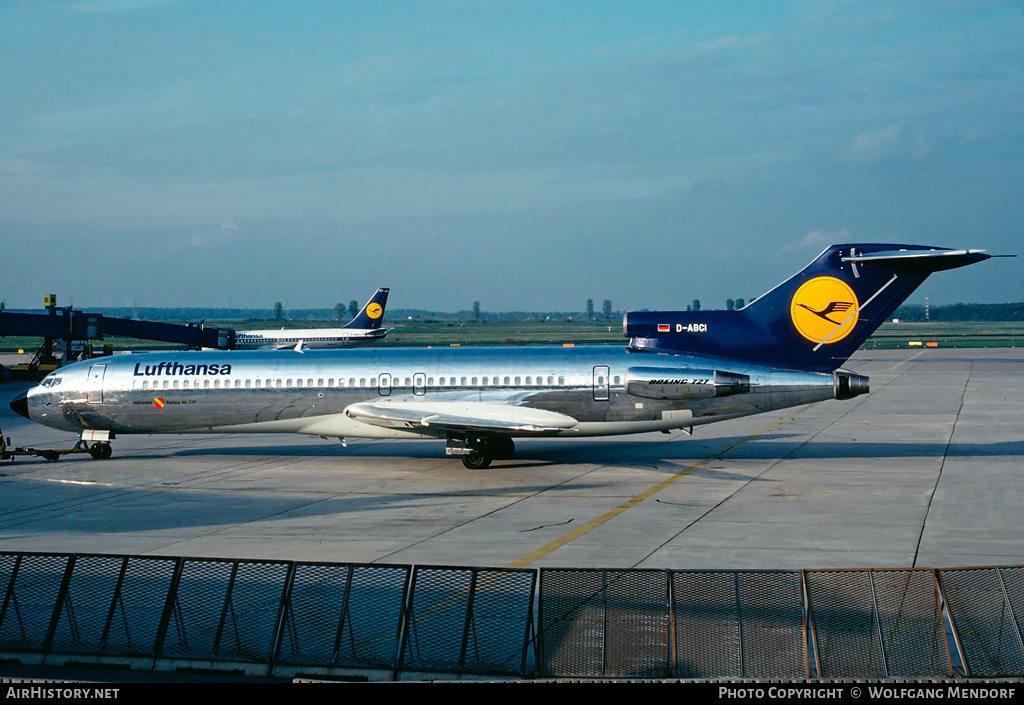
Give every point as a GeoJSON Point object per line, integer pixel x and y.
{"type": "Point", "coordinates": [601, 383]}
{"type": "Point", "coordinates": [95, 385]}
{"type": "Point", "coordinates": [419, 384]}
{"type": "Point", "coordinates": [384, 384]}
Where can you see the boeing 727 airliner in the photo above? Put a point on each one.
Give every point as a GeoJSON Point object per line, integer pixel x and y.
{"type": "Point", "coordinates": [679, 370]}
{"type": "Point", "coordinates": [365, 327]}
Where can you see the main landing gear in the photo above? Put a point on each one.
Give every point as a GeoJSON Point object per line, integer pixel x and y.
{"type": "Point", "coordinates": [477, 452]}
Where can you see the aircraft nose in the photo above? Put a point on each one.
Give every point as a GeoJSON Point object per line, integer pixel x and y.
{"type": "Point", "coordinates": [19, 405]}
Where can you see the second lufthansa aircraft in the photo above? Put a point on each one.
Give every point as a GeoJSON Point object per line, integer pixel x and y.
{"type": "Point", "coordinates": [365, 327]}
{"type": "Point", "coordinates": [680, 369]}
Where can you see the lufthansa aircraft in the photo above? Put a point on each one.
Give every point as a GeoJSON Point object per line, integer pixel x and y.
{"type": "Point", "coordinates": [679, 370]}
{"type": "Point", "coordinates": [364, 328]}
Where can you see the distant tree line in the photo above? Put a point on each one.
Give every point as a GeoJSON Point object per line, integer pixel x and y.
{"type": "Point", "coordinates": [914, 313]}
{"type": "Point", "coordinates": [908, 312]}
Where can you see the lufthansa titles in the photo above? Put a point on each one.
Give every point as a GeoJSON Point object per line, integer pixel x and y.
{"type": "Point", "coordinates": [176, 369]}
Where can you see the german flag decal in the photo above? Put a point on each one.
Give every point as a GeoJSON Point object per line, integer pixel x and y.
{"type": "Point", "coordinates": [159, 402]}
{"type": "Point", "coordinates": [663, 328]}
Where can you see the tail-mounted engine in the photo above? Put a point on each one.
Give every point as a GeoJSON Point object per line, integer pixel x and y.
{"type": "Point", "coordinates": [848, 385]}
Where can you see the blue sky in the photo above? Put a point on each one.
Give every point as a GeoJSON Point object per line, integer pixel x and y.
{"type": "Point", "coordinates": [527, 155]}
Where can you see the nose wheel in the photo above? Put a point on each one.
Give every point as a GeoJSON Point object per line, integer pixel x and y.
{"type": "Point", "coordinates": [100, 451]}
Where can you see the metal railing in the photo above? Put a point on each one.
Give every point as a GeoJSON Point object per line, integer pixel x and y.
{"type": "Point", "coordinates": [288, 618]}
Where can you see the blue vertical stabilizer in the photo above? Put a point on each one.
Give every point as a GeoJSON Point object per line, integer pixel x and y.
{"type": "Point", "coordinates": [372, 314]}
{"type": "Point", "coordinates": [815, 319]}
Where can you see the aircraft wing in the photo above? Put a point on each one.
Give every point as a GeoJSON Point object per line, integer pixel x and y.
{"type": "Point", "coordinates": [435, 418]}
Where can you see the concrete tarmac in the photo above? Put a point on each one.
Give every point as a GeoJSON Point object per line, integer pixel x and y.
{"type": "Point", "coordinates": [927, 470]}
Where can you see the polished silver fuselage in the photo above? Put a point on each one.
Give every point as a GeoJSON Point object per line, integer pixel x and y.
{"type": "Point", "coordinates": [309, 338]}
{"type": "Point", "coordinates": [314, 392]}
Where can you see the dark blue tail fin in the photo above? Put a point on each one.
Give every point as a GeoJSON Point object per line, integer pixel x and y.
{"type": "Point", "coordinates": [373, 312]}
{"type": "Point", "coordinates": [815, 319]}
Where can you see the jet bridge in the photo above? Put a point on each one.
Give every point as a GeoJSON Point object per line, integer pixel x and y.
{"type": "Point", "coordinates": [68, 325]}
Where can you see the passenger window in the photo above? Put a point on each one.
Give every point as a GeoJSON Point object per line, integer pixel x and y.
{"type": "Point", "coordinates": [506, 381]}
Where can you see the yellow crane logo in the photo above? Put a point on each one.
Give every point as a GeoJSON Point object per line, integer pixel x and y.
{"type": "Point", "coordinates": [824, 309]}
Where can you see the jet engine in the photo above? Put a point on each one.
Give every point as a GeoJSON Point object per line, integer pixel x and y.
{"type": "Point", "coordinates": [848, 385]}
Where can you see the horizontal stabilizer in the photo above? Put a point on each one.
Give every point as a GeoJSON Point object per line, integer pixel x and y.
{"type": "Point", "coordinates": [922, 261]}
{"type": "Point", "coordinates": [435, 418]}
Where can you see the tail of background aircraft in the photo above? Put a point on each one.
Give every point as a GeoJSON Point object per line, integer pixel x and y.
{"type": "Point", "coordinates": [372, 314]}
{"type": "Point", "coordinates": [815, 319]}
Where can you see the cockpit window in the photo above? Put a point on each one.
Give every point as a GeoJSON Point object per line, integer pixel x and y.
{"type": "Point", "coordinates": [51, 382]}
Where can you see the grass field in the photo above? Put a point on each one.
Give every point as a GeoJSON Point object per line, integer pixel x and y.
{"type": "Point", "coordinates": [949, 335]}
{"type": "Point", "coordinates": [421, 334]}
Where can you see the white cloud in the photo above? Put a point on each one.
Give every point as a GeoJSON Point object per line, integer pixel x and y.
{"type": "Point", "coordinates": [895, 143]}
{"type": "Point", "coordinates": [819, 239]}
{"type": "Point", "coordinates": [117, 5]}
{"type": "Point", "coordinates": [226, 232]}
{"type": "Point", "coordinates": [875, 146]}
